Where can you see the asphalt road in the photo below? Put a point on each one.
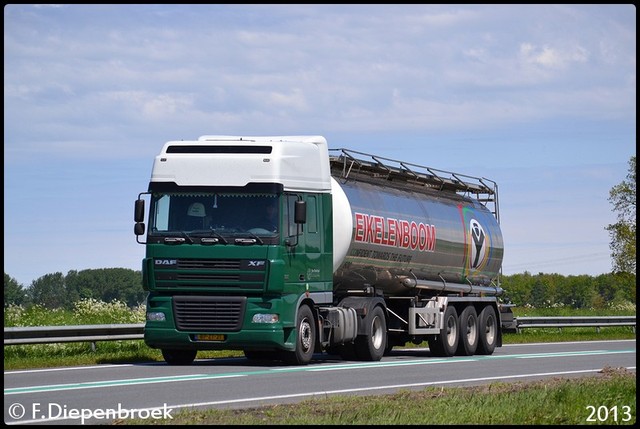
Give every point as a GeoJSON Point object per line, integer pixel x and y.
{"type": "Point", "coordinates": [97, 394]}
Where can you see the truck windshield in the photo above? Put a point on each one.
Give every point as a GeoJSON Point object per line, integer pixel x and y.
{"type": "Point", "coordinates": [222, 215]}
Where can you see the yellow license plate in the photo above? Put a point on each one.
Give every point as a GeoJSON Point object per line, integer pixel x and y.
{"type": "Point", "coordinates": [210, 337]}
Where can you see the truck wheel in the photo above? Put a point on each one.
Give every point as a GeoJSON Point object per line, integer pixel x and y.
{"type": "Point", "coordinates": [488, 331]}
{"type": "Point", "coordinates": [179, 357]}
{"type": "Point", "coordinates": [446, 343]}
{"type": "Point", "coordinates": [371, 347]}
{"type": "Point", "coordinates": [468, 342]}
{"type": "Point", "coordinates": [387, 350]}
{"type": "Point", "coordinates": [305, 338]}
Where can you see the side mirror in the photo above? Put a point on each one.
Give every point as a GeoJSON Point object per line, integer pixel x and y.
{"type": "Point", "coordinates": [300, 218]}
{"type": "Point", "coordinates": [138, 228]}
{"type": "Point", "coordinates": [138, 215]}
{"type": "Point", "coordinates": [300, 212]}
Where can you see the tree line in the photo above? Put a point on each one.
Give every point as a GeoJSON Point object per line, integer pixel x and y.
{"type": "Point", "coordinates": [581, 291]}
{"type": "Point", "coordinates": [536, 290]}
{"type": "Point", "coordinates": [57, 290]}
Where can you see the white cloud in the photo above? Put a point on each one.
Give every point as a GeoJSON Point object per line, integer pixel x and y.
{"type": "Point", "coordinates": [553, 58]}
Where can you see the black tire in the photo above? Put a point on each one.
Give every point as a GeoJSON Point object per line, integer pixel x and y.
{"type": "Point", "coordinates": [371, 347]}
{"type": "Point", "coordinates": [446, 343]}
{"type": "Point", "coordinates": [305, 338]}
{"type": "Point", "coordinates": [487, 330]}
{"type": "Point", "coordinates": [468, 343]}
{"type": "Point", "coordinates": [389, 348]}
{"type": "Point", "coordinates": [435, 346]}
{"type": "Point", "coordinates": [179, 357]}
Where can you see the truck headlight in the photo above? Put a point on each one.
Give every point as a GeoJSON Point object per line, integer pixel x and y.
{"type": "Point", "coordinates": [156, 316]}
{"type": "Point", "coordinates": [265, 318]}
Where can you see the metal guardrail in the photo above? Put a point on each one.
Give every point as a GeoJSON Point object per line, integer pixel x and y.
{"type": "Point", "coordinates": [575, 322]}
{"type": "Point", "coordinates": [94, 333]}
{"type": "Point", "coordinates": [70, 334]}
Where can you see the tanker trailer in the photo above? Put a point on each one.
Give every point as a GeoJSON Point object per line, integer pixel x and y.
{"type": "Point", "coordinates": [432, 254]}
{"type": "Point", "coordinates": [282, 248]}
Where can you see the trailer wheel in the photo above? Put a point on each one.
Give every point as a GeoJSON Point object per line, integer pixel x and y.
{"type": "Point", "coordinates": [179, 357]}
{"type": "Point", "coordinates": [446, 343]}
{"type": "Point", "coordinates": [371, 347]}
{"type": "Point", "coordinates": [488, 331]}
{"type": "Point", "coordinates": [305, 338]}
{"type": "Point", "coordinates": [468, 342]}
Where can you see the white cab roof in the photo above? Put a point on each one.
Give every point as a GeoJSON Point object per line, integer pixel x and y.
{"type": "Point", "coordinates": [299, 163]}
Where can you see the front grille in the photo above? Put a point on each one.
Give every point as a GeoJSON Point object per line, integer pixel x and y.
{"type": "Point", "coordinates": [238, 274]}
{"type": "Point", "coordinates": [208, 264]}
{"type": "Point", "coordinates": [203, 314]}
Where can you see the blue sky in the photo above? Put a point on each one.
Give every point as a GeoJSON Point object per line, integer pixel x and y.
{"type": "Point", "coordinates": [539, 98]}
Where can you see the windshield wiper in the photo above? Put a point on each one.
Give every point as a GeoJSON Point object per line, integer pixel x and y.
{"type": "Point", "coordinates": [250, 240]}
{"type": "Point", "coordinates": [209, 236]}
{"type": "Point", "coordinates": [185, 235]}
{"type": "Point", "coordinates": [179, 240]}
{"type": "Point", "coordinates": [217, 238]}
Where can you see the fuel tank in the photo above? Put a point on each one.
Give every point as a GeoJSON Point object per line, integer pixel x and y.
{"type": "Point", "coordinates": [395, 239]}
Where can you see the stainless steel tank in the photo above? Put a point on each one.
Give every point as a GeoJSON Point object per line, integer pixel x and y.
{"type": "Point", "coordinates": [395, 239]}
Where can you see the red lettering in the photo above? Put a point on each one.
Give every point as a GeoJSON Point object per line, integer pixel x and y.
{"type": "Point", "coordinates": [414, 235]}
{"type": "Point", "coordinates": [422, 236]}
{"type": "Point", "coordinates": [394, 232]}
{"type": "Point", "coordinates": [391, 232]}
{"type": "Point", "coordinates": [368, 231]}
{"type": "Point", "coordinates": [359, 236]}
{"type": "Point", "coordinates": [431, 240]}
{"type": "Point", "coordinates": [406, 238]}
{"type": "Point", "coordinates": [379, 229]}
{"type": "Point", "coordinates": [384, 238]}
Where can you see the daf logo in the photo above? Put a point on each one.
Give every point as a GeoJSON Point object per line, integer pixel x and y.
{"type": "Point", "coordinates": [256, 263]}
{"type": "Point", "coordinates": [166, 261]}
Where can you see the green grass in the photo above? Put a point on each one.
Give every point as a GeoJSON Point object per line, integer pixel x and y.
{"type": "Point", "coordinates": [76, 354]}
{"type": "Point", "coordinates": [551, 335]}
